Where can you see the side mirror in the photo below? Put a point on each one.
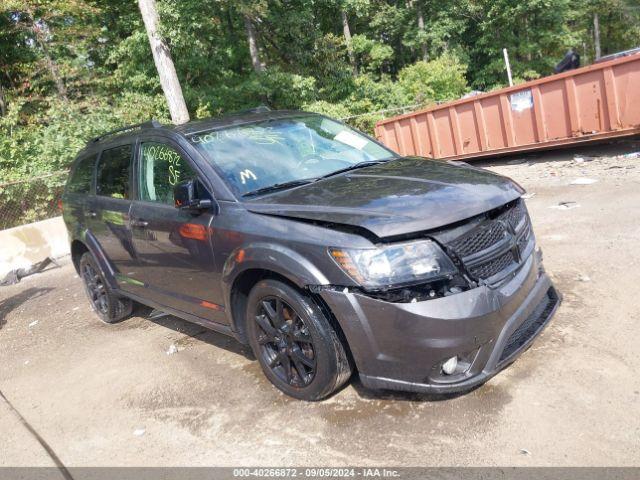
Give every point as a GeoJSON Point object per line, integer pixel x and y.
{"type": "Point", "coordinates": [185, 197]}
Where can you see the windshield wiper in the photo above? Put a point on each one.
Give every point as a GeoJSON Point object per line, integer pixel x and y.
{"type": "Point", "coordinates": [278, 186]}
{"type": "Point", "coordinates": [355, 166]}
{"type": "Point", "coordinates": [305, 181]}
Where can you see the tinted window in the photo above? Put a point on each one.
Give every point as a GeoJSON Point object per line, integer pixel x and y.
{"type": "Point", "coordinates": [161, 167]}
{"type": "Point", "coordinates": [114, 170]}
{"type": "Point", "coordinates": [82, 176]}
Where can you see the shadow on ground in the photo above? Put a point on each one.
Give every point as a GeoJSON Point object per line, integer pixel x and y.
{"type": "Point", "coordinates": [193, 332]}
{"type": "Point", "coordinates": [9, 304]}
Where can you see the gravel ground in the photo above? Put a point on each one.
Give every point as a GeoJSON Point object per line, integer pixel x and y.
{"type": "Point", "coordinates": [102, 395]}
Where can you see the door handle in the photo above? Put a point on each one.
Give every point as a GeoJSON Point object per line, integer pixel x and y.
{"type": "Point", "coordinates": [139, 223]}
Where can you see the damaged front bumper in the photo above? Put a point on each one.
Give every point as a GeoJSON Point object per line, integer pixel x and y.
{"type": "Point", "coordinates": [402, 346]}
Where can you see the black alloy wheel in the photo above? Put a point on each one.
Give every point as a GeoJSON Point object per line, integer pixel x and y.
{"type": "Point", "coordinates": [297, 346]}
{"type": "Point", "coordinates": [285, 343]}
{"type": "Point", "coordinates": [96, 289]}
{"type": "Point", "coordinates": [107, 304]}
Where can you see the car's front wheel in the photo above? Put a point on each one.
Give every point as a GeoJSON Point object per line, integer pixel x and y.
{"type": "Point", "coordinates": [298, 349]}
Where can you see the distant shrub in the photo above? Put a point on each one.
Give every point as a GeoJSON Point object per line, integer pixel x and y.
{"type": "Point", "coordinates": [279, 89]}
{"type": "Point", "coordinates": [437, 80]}
{"type": "Point", "coordinates": [30, 149]}
{"type": "Point", "coordinates": [333, 110]}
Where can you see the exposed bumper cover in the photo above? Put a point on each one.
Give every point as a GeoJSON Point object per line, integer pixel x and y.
{"type": "Point", "coordinates": [400, 346]}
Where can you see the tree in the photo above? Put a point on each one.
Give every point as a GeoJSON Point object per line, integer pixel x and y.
{"type": "Point", "coordinates": [596, 35]}
{"type": "Point", "coordinates": [42, 28]}
{"type": "Point", "coordinates": [164, 64]}
{"type": "Point", "coordinates": [348, 42]}
{"type": "Point", "coordinates": [234, 54]}
{"type": "Point", "coordinates": [535, 34]}
{"type": "Point", "coordinates": [3, 102]}
{"type": "Point", "coordinates": [258, 66]}
{"type": "Point", "coordinates": [422, 32]}
{"type": "Point", "coordinates": [39, 29]}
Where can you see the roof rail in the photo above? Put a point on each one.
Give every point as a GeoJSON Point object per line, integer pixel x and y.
{"type": "Point", "coordinates": [150, 124]}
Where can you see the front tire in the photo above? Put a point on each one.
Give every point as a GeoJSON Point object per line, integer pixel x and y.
{"type": "Point", "coordinates": [109, 307]}
{"type": "Point", "coordinates": [298, 349]}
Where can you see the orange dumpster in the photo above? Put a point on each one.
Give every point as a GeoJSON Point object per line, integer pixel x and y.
{"type": "Point", "coordinates": [596, 102]}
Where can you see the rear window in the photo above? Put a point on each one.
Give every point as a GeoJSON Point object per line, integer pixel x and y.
{"type": "Point", "coordinates": [114, 171]}
{"type": "Point", "coordinates": [82, 176]}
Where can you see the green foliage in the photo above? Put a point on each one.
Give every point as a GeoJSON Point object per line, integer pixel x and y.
{"type": "Point", "coordinates": [283, 90]}
{"type": "Point", "coordinates": [535, 32]}
{"type": "Point", "coordinates": [440, 79]}
{"type": "Point", "coordinates": [33, 148]}
{"type": "Point", "coordinates": [372, 54]}
{"type": "Point", "coordinates": [100, 52]}
{"type": "Point", "coordinates": [334, 110]}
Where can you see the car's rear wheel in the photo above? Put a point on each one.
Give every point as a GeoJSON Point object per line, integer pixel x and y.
{"type": "Point", "coordinates": [298, 349]}
{"type": "Point", "coordinates": [108, 306]}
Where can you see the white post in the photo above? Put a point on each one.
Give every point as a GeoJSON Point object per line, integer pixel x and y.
{"type": "Point", "coordinates": [506, 61]}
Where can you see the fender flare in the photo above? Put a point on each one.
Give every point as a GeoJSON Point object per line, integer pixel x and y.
{"type": "Point", "coordinates": [92, 244]}
{"type": "Point", "coordinates": [276, 258]}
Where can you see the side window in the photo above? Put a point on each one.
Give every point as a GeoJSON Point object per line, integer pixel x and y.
{"type": "Point", "coordinates": [161, 167]}
{"type": "Point", "coordinates": [114, 169]}
{"type": "Point", "coordinates": [82, 176]}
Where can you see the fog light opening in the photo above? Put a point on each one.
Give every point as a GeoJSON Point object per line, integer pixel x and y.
{"type": "Point", "coordinates": [449, 367]}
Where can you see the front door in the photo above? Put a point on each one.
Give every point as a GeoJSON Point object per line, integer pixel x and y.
{"type": "Point", "coordinates": [174, 247]}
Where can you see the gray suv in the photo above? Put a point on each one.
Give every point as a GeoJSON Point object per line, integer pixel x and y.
{"type": "Point", "coordinates": [316, 245]}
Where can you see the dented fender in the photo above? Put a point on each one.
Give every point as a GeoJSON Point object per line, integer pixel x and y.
{"type": "Point", "coordinates": [272, 257]}
{"type": "Point", "coordinates": [277, 258]}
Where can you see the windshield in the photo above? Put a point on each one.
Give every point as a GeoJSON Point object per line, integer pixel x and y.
{"type": "Point", "coordinates": [259, 155]}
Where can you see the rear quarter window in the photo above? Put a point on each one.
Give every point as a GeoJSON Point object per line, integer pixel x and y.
{"type": "Point", "coordinates": [114, 172]}
{"type": "Point", "coordinates": [82, 176]}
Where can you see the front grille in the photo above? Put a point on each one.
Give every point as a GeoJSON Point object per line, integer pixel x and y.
{"type": "Point", "coordinates": [493, 266]}
{"type": "Point", "coordinates": [496, 245]}
{"type": "Point", "coordinates": [531, 326]}
{"type": "Point", "coordinates": [524, 237]}
{"type": "Point", "coordinates": [479, 239]}
{"type": "Point", "coordinates": [514, 215]}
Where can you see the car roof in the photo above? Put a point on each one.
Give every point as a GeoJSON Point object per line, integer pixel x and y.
{"type": "Point", "coordinates": [249, 116]}
{"type": "Point", "coordinates": [234, 119]}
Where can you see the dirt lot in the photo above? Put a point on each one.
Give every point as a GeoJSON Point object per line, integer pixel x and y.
{"type": "Point", "coordinates": [111, 395]}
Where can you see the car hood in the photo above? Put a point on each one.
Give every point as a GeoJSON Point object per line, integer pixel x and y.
{"type": "Point", "coordinates": [406, 195]}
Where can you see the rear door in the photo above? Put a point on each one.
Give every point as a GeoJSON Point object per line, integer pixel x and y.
{"type": "Point", "coordinates": [109, 214]}
{"type": "Point", "coordinates": [174, 247]}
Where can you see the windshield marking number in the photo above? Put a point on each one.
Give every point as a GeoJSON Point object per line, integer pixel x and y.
{"type": "Point", "coordinates": [259, 135]}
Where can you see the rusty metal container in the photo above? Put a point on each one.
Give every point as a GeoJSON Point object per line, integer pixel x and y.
{"type": "Point", "coordinates": [596, 102]}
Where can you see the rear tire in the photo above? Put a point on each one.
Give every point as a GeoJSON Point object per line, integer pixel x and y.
{"type": "Point", "coordinates": [109, 307]}
{"type": "Point", "coordinates": [298, 349]}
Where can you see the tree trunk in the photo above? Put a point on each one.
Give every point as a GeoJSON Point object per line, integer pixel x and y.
{"type": "Point", "coordinates": [52, 66]}
{"type": "Point", "coordinates": [164, 64]}
{"type": "Point", "coordinates": [3, 103]}
{"type": "Point", "coordinates": [347, 40]}
{"type": "Point", "coordinates": [423, 45]}
{"type": "Point", "coordinates": [596, 35]}
{"type": "Point", "coordinates": [258, 66]}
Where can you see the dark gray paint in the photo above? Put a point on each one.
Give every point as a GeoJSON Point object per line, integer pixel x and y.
{"type": "Point", "coordinates": [403, 196]}
{"type": "Point", "coordinates": [288, 233]}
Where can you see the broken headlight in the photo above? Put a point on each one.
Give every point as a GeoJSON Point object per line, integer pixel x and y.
{"type": "Point", "coordinates": [395, 264]}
